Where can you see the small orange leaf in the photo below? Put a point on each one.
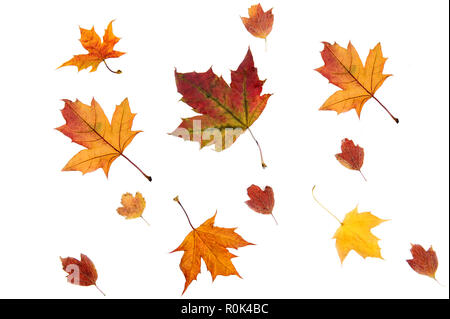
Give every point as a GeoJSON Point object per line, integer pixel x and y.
{"type": "Point", "coordinates": [424, 262]}
{"type": "Point", "coordinates": [80, 272]}
{"type": "Point", "coordinates": [98, 51]}
{"type": "Point", "coordinates": [352, 155]}
{"type": "Point", "coordinates": [209, 243]}
{"type": "Point", "coordinates": [259, 23]}
{"type": "Point", "coordinates": [132, 207]}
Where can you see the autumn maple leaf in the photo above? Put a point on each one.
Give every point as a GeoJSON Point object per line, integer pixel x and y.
{"type": "Point", "coordinates": [424, 262]}
{"type": "Point", "coordinates": [132, 206]}
{"type": "Point", "coordinates": [227, 111]}
{"type": "Point", "coordinates": [98, 51]}
{"type": "Point", "coordinates": [210, 243]}
{"type": "Point", "coordinates": [88, 126]}
{"type": "Point", "coordinates": [343, 68]}
{"type": "Point", "coordinates": [261, 201]}
{"type": "Point", "coordinates": [355, 233]}
{"type": "Point", "coordinates": [352, 156]}
{"type": "Point", "coordinates": [80, 272]}
{"type": "Point", "coordinates": [259, 23]}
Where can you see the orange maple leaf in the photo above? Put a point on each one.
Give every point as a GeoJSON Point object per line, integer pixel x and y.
{"type": "Point", "coordinates": [80, 272]}
{"type": "Point", "coordinates": [98, 51]}
{"type": "Point", "coordinates": [210, 243]}
{"type": "Point", "coordinates": [424, 262]}
{"type": "Point", "coordinates": [352, 156]}
{"type": "Point", "coordinates": [343, 68]}
{"type": "Point", "coordinates": [88, 126]}
{"type": "Point", "coordinates": [259, 23]}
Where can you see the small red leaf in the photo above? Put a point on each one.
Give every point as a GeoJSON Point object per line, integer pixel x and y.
{"type": "Point", "coordinates": [352, 155]}
{"type": "Point", "coordinates": [80, 272]}
{"type": "Point", "coordinates": [261, 201]}
{"type": "Point", "coordinates": [424, 262]}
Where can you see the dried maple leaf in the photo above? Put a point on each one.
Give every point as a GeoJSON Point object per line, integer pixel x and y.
{"type": "Point", "coordinates": [210, 243]}
{"type": "Point", "coordinates": [354, 233]}
{"type": "Point", "coordinates": [261, 201]}
{"type": "Point", "coordinates": [227, 111]}
{"type": "Point", "coordinates": [259, 23]}
{"type": "Point", "coordinates": [132, 206]}
{"type": "Point", "coordinates": [424, 262]}
{"type": "Point", "coordinates": [98, 51]}
{"type": "Point", "coordinates": [80, 272]}
{"type": "Point", "coordinates": [88, 126]}
{"type": "Point", "coordinates": [352, 156]}
{"type": "Point", "coordinates": [344, 68]}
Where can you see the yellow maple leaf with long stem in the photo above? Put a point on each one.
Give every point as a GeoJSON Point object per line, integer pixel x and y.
{"type": "Point", "coordinates": [354, 233]}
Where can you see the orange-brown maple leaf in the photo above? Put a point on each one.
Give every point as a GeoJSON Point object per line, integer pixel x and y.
{"type": "Point", "coordinates": [88, 126]}
{"type": "Point", "coordinates": [210, 243]}
{"type": "Point", "coordinates": [259, 23]}
{"type": "Point", "coordinates": [424, 262]}
{"type": "Point", "coordinates": [80, 272]}
{"type": "Point", "coordinates": [358, 83]}
{"type": "Point", "coordinates": [261, 201]}
{"type": "Point", "coordinates": [132, 206]}
{"type": "Point", "coordinates": [352, 156]}
{"type": "Point", "coordinates": [98, 51]}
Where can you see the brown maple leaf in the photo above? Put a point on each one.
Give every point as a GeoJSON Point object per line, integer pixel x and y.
{"type": "Point", "coordinates": [352, 156]}
{"type": "Point", "coordinates": [261, 201]}
{"type": "Point", "coordinates": [88, 126]}
{"type": "Point", "coordinates": [259, 23]}
{"type": "Point", "coordinates": [424, 262]}
{"type": "Point", "coordinates": [210, 243]}
{"type": "Point", "coordinates": [98, 51]}
{"type": "Point", "coordinates": [80, 272]}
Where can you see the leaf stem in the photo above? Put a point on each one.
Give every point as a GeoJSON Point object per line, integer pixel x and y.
{"type": "Point", "coordinates": [362, 175]}
{"type": "Point", "coordinates": [145, 221]}
{"type": "Point", "coordinates": [259, 147]}
{"type": "Point", "coordinates": [116, 72]}
{"type": "Point", "coordinates": [274, 219]}
{"type": "Point", "coordinates": [265, 44]}
{"type": "Point", "coordinates": [324, 206]}
{"type": "Point", "coordinates": [149, 178]}
{"type": "Point", "coordinates": [100, 290]}
{"type": "Point", "coordinates": [187, 216]}
{"type": "Point", "coordinates": [384, 107]}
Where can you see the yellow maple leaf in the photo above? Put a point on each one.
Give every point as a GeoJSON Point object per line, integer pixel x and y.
{"type": "Point", "coordinates": [354, 234]}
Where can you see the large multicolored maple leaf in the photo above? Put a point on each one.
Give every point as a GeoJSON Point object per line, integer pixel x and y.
{"type": "Point", "coordinates": [358, 83]}
{"type": "Point", "coordinates": [88, 126]}
{"type": "Point", "coordinates": [226, 110]}
{"type": "Point", "coordinates": [98, 51]}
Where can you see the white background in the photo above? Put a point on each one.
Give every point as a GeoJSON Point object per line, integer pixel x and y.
{"type": "Point", "coordinates": [46, 213]}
